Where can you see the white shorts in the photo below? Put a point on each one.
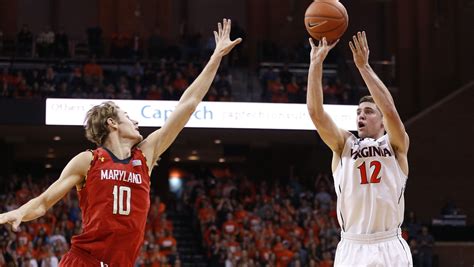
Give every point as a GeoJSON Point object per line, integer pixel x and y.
{"type": "Point", "coordinates": [373, 250]}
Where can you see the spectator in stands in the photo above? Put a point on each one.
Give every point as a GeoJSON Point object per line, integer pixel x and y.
{"type": "Point", "coordinates": [285, 75]}
{"type": "Point", "coordinates": [94, 40]}
{"type": "Point", "coordinates": [1, 42]}
{"type": "Point", "coordinates": [45, 43]}
{"type": "Point", "coordinates": [24, 41]}
{"type": "Point", "coordinates": [137, 46]}
{"type": "Point", "coordinates": [425, 243]}
{"type": "Point", "coordinates": [415, 253]}
{"type": "Point", "coordinates": [93, 72]}
{"type": "Point", "coordinates": [412, 225]}
{"type": "Point", "coordinates": [156, 45]}
{"type": "Point", "coordinates": [61, 44]}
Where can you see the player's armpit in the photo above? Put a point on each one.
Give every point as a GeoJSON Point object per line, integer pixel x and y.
{"type": "Point", "coordinates": [396, 131]}
{"type": "Point", "coordinates": [333, 136]}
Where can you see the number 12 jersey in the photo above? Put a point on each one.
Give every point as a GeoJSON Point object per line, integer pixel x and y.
{"type": "Point", "coordinates": [369, 185]}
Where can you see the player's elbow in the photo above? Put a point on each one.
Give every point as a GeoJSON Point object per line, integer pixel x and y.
{"type": "Point", "coordinates": [315, 114]}
{"type": "Point", "coordinates": [391, 113]}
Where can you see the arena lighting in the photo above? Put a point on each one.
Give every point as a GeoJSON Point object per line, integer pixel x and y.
{"type": "Point", "coordinates": [237, 115]}
{"type": "Point", "coordinates": [221, 160]}
{"type": "Point", "coordinates": [193, 157]}
{"type": "Point", "coordinates": [217, 141]}
{"type": "Point", "coordinates": [175, 181]}
{"type": "Point", "coordinates": [177, 159]}
{"type": "Point", "coordinates": [57, 138]}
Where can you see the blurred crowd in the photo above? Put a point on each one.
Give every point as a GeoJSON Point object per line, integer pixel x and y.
{"type": "Point", "coordinates": [240, 222]}
{"type": "Point", "coordinates": [283, 85]}
{"type": "Point", "coordinates": [164, 80]}
{"type": "Point", "coordinates": [244, 222]}
{"type": "Point", "coordinates": [151, 68]}
{"type": "Point", "coordinates": [42, 242]}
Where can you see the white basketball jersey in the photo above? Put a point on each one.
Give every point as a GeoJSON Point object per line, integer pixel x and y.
{"type": "Point", "coordinates": [369, 185]}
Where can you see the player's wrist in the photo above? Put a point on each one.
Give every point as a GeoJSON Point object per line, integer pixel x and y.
{"type": "Point", "coordinates": [364, 66]}
{"type": "Point", "coordinates": [216, 56]}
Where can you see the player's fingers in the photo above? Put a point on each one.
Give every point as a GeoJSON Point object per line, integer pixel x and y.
{"type": "Point", "coordinates": [216, 36]}
{"type": "Point", "coordinates": [219, 27]}
{"type": "Point", "coordinates": [229, 24]}
{"type": "Point", "coordinates": [311, 42]}
{"type": "Point", "coordinates": [360, 38]}
{"type": "Point", "coordinates": [364, 37]}
{"type": "Point", "coordinates": [15, 225]}
{"type": "Point", "coordinates": [236, 42]}
{"type": "Point", "coordinates": [356, 43]}
{"type": "Point", "coordinates": [325, 42]}
{"type": "Point", "coordinates": [352, 47]}
{"type": "Point", "coordinates": [224, 26]}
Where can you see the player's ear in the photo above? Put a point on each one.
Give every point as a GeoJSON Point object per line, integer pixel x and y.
{"type": "Point", "coordinates": [111, 122]}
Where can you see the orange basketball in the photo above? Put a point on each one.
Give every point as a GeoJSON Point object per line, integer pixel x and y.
{"type": "Point", "coordinates": [326, 18]}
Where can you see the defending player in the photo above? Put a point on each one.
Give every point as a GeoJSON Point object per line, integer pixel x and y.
{"type": "Point", "coordinates": [113, 181]}
{"type": "Point", "coordinates": [369, 172]}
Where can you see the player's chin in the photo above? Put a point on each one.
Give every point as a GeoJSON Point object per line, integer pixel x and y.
{"type": "Point", "coordinates": [361, 133]}
{"type": "Point", "coordinates": [138, 138]}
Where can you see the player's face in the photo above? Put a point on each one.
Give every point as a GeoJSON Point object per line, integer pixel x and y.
{"type": "Point", "coordinates": [128, 128]}
{"type": "Point", "coordinates": [369, 120]}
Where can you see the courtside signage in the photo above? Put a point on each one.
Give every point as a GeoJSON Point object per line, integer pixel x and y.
{"type": "Point", "coordinates": [238, 115]}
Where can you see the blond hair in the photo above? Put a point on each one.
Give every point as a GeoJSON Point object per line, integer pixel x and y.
{"type": "Point", "coordinates": [96, 121]}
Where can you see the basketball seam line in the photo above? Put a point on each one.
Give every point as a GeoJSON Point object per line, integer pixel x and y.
{"type": "Point", "coordinates": [334, 6]}
{"type": "Point", "coordinates": [339, 18]}
{"type": "Point", "coordinates": [339, 25]}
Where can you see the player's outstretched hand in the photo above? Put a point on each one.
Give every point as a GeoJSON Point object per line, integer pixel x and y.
{"type": "Point", "coordinates": [320, 51]}
{"type": "Point", "coordinates": [223, 43]}
{"type": "Point", "coordinates": [12, 217]}
{"type": "Point", "coordinates": [360, 49]}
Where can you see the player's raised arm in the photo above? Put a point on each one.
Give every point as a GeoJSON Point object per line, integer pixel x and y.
{"type": "Point", "coordinates": [382, 97]}
{"type": "Point", "coordinates": [332, 135]}
{"type": "Point", "coordinates": [157, 142]}
{"type": "Point", "coordinates": [73, 174]}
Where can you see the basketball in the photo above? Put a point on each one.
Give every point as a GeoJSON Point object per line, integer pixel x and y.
{"type": "Point", "coordinates": [326, 18]}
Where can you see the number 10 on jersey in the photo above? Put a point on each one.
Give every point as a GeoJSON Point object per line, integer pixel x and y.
{"type": "Point", "coordinates": [122, 196]}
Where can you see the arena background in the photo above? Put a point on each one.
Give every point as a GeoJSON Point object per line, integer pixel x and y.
{"type": "Point", "coordinates": [421, 49]}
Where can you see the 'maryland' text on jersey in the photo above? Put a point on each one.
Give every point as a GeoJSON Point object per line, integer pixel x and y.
{"type": "Point", "coordinates": [121, 175]}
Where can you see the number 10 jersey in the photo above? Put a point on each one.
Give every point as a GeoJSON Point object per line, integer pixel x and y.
{"type": "Point", "coordinates": [114, 202]}
{"type": "Point", "coordinates": [369, 185]}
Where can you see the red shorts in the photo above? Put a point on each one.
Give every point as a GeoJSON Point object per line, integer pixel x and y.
{"type": "Point", "coordinates": [77, 257]}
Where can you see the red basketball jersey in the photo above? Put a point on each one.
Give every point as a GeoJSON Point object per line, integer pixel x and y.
{"type": "Point", "coordinates": [114, 203]}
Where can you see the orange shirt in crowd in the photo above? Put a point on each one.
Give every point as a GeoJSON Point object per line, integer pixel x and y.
{"type": "Point", "coordinates": [166, 243]}
{"type": "Point", "coordinates": [206, 214]}
{"type": "Point", "coordinates": [233, 246]}
{"type": "Point", "coordinates": [326, 263]}
{"type": "Point", "coordinates": [284, 257]}
{"type": "Point", "coordinates": [240, 215]}
{"type": "Point", "coordinates": [230, 227]}
{"type": "Point", "coordinates": [93, 70]}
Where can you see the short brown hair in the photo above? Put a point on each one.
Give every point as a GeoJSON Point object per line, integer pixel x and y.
{"type": "Point", "coordinates": [370, 99]}
{"type": "Point", "coordinates": [96, 121]}
{"type": "Point", "coordinates": [367, 98]}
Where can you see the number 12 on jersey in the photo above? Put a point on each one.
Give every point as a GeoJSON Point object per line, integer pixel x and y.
{"type": "Point", "coordinates": [374, 177]}
{"type": "Point", "coordinates": [121, 202]}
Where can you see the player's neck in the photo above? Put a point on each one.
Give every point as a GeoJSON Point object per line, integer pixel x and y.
{"type": "Point", "coordinates": [119, 147]}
